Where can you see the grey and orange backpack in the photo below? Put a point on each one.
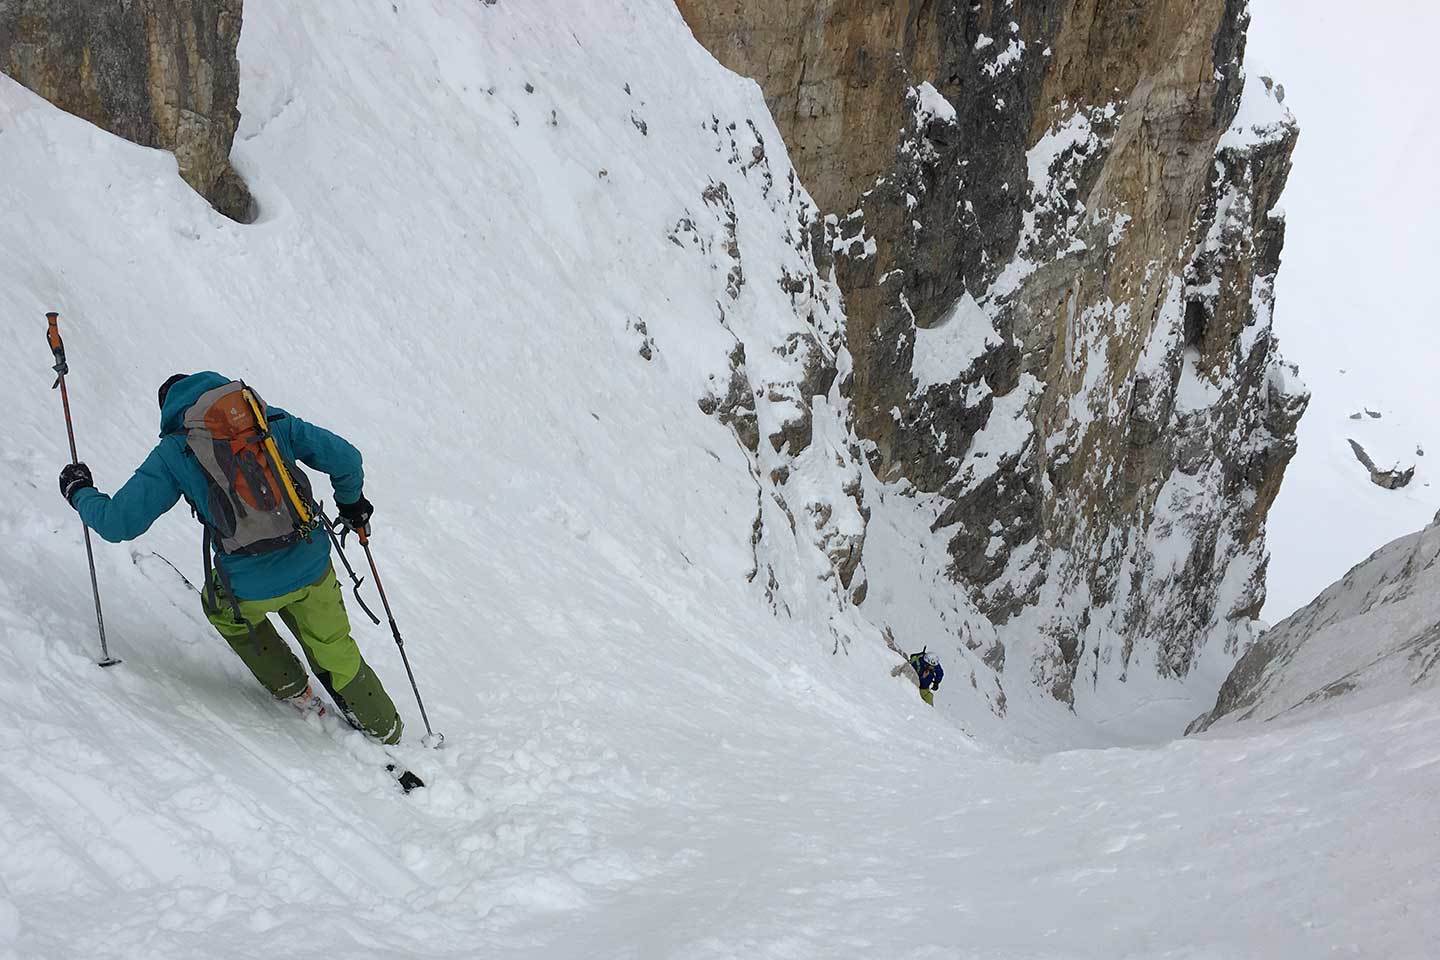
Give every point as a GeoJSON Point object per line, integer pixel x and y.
{"type": "Point", "coordinates": [256, 500]}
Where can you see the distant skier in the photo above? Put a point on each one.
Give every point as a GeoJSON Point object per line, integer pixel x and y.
{"type": "Point", "coordinates": [922, 669]}
{"type": "Point", "coordinates": [233, 460]}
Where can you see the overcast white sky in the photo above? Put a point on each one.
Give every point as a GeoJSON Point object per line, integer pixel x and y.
{"type": "Point", "coordinates": [1357, 288]}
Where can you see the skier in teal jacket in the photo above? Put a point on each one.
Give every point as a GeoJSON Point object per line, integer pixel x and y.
{"type": "Point", "coordinates": [297, 582]}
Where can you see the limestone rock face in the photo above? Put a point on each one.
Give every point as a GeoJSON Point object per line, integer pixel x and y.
{"type": "Point", "coordinates": [161, 73]}
{"type": "Point", "coordinates": [833, 73]}
{"type": "Point", "coordinates": [1054, 225]}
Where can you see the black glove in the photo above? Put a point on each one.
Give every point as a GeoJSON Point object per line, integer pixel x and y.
{"type": "Point", "coordinates": [356, 515]}
{"type": "Point", "coordinates": [76, 476]}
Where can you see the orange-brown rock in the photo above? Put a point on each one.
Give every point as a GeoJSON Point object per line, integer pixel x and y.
{"type": "Point", "coordinates": [1057, 245]}
{"type": "Point", "coordinates": [161, 73]}
{"type": "Point", "coordinates": [834, 73]}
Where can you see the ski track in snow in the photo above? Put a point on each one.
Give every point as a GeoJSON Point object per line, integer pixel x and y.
{"type": "Point", "coordinates": [233, 828]}
{"type": "Point", "coordinates": [642, 760]}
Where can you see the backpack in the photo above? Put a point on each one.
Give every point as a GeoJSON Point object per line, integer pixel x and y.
{"type": "Point", "coordinates": [256, 500]}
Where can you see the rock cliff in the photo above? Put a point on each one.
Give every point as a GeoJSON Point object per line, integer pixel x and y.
{"type": "Point", "coordinates": [1054, 225]}
{"type": "Point", "coordinates": [161, 73]}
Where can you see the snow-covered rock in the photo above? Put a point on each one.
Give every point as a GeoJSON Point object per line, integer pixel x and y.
{"type": "Point", "coordinates": [1391, 477]}
{"type": "Point", "coordinates": [1061, 317]}
{"type": "Point", "coordinates": [1371, 638]}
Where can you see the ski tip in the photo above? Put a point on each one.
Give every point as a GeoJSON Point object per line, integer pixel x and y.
{"type": "Point", "coordinates": [407, 780]}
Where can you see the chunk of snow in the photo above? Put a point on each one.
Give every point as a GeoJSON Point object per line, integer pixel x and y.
{"type": "Point", "coordinates": [930, 103]}
{"type": "Point", "coordinates": [1261, 117]}
{"type": "Point", "coordinates": [1010, 55]}
{"type": "Point", "coordinates": [952, 346]}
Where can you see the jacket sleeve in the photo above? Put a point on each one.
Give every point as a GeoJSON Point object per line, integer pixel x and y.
{"type": "Point", "coordinates": [325, 451]}
{"type": "Point", "coordinates": [135, 506]}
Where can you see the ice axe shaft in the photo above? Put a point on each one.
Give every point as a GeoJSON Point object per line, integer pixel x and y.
{"type": "Point", "coordinates": [57, 349]}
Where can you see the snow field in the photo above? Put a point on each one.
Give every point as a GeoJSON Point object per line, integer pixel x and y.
{"type": "Point", "coordinates": [768, 832]}
{"type": "Point", "coordinates": [1353, 302]}
{"type": "Point", "coordinates": [642, 760]}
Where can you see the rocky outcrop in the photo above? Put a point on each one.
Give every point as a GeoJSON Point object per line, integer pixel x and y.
{"type": "Point", "coordinates": [833, 73]}
{"type": "Point", "coordinates": [1371, 638]}
{"type": "Point", "coordinates": [161, 73]}
{"type": "Point", "coordinates": [1054, 226]}
{"type": "Point", "coordinates": [779, 314]}
{"type": "Point", "coordinates": [1391, 478]}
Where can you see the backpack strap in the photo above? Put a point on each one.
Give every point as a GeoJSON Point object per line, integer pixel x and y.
{"type": "Point", "coordinates": [212, 568]}
{"type": "Point", "coordinates": [216, 571]}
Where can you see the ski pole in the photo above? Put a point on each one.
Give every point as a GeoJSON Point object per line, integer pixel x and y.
{"type": "Point", "coordinates": [432, 739]}
{"type": "Point", "coordinates": [57, 347]}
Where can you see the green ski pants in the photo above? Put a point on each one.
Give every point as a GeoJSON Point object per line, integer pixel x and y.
{"type": "Point", "coordinates": [316, 616]}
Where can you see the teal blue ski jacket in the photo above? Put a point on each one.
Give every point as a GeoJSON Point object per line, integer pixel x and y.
{"type": "Point", "coordinates": [170, 472]}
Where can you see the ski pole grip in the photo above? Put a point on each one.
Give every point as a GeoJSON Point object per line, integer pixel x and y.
{"type": "Point", "coordinates": [57, 346]}
{"type": "Point", "coordinates": [364, 534]}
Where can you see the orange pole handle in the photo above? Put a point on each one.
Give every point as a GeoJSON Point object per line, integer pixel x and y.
{"type": "Point", "coordinates": [57, 347]}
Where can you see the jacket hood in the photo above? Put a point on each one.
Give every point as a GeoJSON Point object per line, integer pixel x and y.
{"type": "Point", "coordinates": [182, 395]}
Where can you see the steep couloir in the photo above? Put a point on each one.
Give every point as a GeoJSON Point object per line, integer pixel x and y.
{"type": "Point", "coordinates": [1054, 225]}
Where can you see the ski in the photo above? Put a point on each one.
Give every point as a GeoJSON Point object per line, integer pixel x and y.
{"type": "Point", "coordinates": [136, 557]}
{"type": "Point", "coordinates": [408, 781]}
{"type": "Point", "coordinates": [332, 723]}
{"type": "Point", "coordinates": [335, 722]}
{"type": "Point", "coordinates": [357, 745]}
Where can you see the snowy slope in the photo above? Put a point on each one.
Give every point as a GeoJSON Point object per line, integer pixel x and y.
{"type": "Point", "coordinates": [1371, 638]}
{"type": "Point", "coordinates": [644, 759]}
{"type": "Point", "coordinates": [1354, 302]}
